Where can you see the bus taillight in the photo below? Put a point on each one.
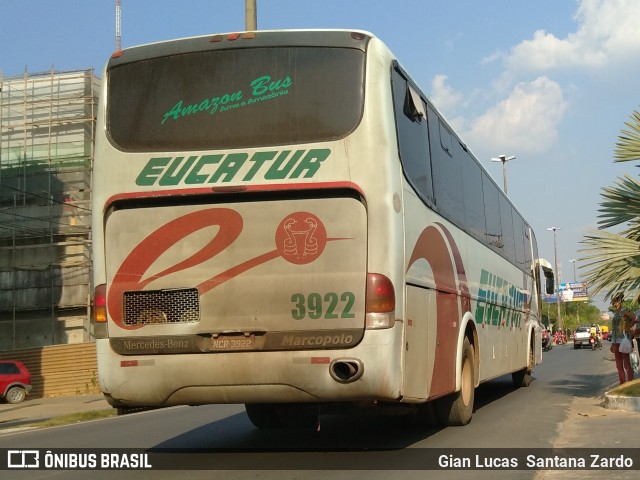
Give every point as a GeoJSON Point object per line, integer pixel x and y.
{"type": "Point", "coordinates": [233, 36]}
{"type": "Point", "coordinates": [380, 301]}
{"type": "Point", "coordinates": [100, 312]}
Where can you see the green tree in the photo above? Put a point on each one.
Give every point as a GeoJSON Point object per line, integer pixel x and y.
{"type": "Point", "coordinates": [573, 314]}
{"type": "Point", "coordinates": [612, 259]}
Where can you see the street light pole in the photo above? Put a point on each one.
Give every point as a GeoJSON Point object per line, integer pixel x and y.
{"type": "Point", "coordinates": [575, 279]}
{"type": "Point", "coordinates": [504, 159]}
{"type": "Point", "coordinates": [251, 15]}
{"type": "Point", "coordinates": [555, 254]}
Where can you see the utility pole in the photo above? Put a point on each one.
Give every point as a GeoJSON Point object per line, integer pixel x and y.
{"type": "Point", "coordinates": [575, 279]}
{"type": "Point", "coordinates": [251, 15]}
{"type": "Point", "coordinates": [555, 254]}
{"type": "Point", "coordinates": [118, 17]}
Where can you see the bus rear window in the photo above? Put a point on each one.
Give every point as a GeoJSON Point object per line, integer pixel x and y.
{"type": "Point", "coordinates": [236, 98]}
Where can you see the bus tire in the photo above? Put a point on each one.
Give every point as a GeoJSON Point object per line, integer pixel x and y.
{"type": "Point", "coordinates": [522, 378]}
{"type": "Point", "coordinates": [457, 409]}
{"type": "Point", "coordinates": [263, 415]}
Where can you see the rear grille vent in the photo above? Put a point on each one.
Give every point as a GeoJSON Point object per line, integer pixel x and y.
{"type": "Point", "coordinates": [161, 306]}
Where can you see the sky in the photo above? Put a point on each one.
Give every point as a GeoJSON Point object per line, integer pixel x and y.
{"type": "Point", "coordinates": [551, 82]}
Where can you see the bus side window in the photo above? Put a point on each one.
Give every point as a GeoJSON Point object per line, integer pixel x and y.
{"type": "Point", "coordinates": [445, 138]}
{"type": "Point", "coordinates": [473, 196]}
{"type": "Point", "coordinates": [413, 137]}
{"type": "Point", "coordinates": [506, 221]}
{"type": "Point", "coordinates": [492, 213]}
{"type": "Point", "coordinates": [531, 249]}
{"type": "Point", "coordinates": [447, 171]}
{"type": "Point", "coordinates": [521, 243]}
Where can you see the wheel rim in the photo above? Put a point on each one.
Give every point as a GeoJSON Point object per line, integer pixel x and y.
{"type": "Point", "coordinates": [15, 395]}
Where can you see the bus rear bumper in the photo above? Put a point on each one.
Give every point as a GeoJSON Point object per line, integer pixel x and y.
{"type": "Point", "coordinates": [355, 375]}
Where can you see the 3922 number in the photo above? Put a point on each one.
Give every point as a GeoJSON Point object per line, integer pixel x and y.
{"type": "Point", "coordinates": [330, 306]}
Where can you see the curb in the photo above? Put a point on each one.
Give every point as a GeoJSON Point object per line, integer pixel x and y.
{"type": "Point", "coordinates": [621, 402]}
{"type": "Point", "coordinates": [618, 402]}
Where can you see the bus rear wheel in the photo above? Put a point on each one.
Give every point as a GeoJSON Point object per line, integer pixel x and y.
{"type": "Point", "coordinates": [522, 378]}
{"type": "Point", "coordinates": [457, 409]}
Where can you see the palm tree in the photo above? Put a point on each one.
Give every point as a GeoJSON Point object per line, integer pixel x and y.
{"type": "Point", "coordinates": [613, 259]}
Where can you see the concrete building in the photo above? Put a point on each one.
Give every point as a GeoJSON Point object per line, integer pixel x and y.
{"type": "Point", "coordinates": [47, 126]}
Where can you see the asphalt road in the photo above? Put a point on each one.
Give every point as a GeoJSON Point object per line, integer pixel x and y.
{"type": "Point", "coordinates": [359, 446]}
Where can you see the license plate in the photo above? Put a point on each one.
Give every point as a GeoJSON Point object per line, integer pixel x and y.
{"type": "Point", "coordinates": [233, 343]}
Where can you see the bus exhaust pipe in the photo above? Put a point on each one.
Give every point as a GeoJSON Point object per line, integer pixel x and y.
{"type": "Point", "coordinates": [346, 370]}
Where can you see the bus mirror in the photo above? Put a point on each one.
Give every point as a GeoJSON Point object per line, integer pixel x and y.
{"type": "Point", "coordinates": [547, 270]}
{"type": "Point", "coordinates": [550, 285]}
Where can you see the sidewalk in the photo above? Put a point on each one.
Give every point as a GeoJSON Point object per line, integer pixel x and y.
{"type": "Point", "coordinates": [618, 402]}
{"type": "Point", "coordinates": [38, 409]}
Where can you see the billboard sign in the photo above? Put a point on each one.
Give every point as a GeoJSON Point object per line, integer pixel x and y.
{"type": "Point", "coordinates": [570, 292]}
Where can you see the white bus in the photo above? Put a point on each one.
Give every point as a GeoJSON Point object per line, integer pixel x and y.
{"type": "Point", "coordinates": [282, 219]}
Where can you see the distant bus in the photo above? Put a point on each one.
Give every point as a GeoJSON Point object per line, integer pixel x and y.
{"type": "Point", "coordinates": [282, 219]}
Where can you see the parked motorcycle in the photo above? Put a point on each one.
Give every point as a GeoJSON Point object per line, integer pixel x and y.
{"type": "Point", "coordinates": [559, 338]}
{"type": "Point", "coordinates": [546, 341]}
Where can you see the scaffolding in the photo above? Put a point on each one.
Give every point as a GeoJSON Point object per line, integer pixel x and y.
{"type": "Point", "coordinates": [47, 127]}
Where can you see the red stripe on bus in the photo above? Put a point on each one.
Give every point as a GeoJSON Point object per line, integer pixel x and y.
{"type": "Point", "coordinates": [432, 247]}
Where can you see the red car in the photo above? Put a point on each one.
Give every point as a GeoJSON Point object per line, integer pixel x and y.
{"type": "Point", "coordinates": [15, 381]}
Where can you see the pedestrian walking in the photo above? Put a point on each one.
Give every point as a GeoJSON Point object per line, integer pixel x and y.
{"type": "Point", "coordinates": [621, 324]}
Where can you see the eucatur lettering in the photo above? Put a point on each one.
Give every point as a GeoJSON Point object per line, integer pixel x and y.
{"type": "Point", "coordinates": [232, 167]}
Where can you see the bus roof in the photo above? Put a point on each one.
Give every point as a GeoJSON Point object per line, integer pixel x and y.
{"type": "Point", "coordinates": [261, 38]}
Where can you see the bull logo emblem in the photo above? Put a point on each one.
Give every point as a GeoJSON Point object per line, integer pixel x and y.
{"type": "Point", "coordinates": [301, 238]}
